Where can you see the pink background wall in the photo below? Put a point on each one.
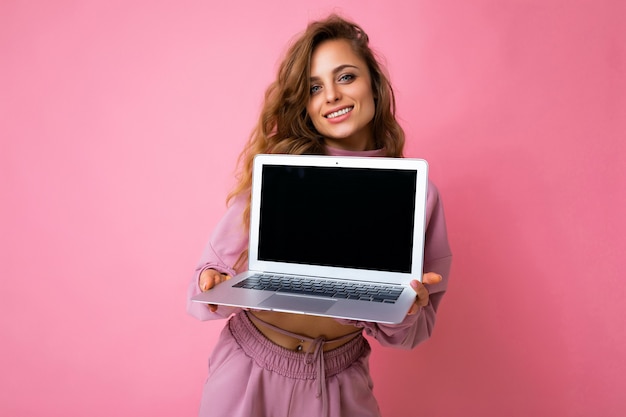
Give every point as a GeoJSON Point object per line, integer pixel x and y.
{"type": "Point", "coordinates": [120, 123]}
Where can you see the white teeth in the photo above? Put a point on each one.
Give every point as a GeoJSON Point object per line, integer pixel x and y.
{"type": "Point", "coordinates": [338, 113]}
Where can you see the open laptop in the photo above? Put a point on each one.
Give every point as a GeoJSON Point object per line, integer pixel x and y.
{"type": "Point", "coordinates": [332, 236]}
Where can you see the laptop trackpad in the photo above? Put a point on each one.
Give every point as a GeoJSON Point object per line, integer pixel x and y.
{"type": "Point", "coordinates": [297, 303]}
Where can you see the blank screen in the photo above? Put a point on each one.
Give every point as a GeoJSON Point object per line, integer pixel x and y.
{"type": "Point", "coordinates": [335, 216]}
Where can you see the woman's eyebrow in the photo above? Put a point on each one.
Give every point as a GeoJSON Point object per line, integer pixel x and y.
{"type": "Point", "coordinates": [336, 70]}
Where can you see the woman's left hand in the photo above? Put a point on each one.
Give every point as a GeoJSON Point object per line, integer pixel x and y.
{"type": "Point", "coordinates": [422, 295]}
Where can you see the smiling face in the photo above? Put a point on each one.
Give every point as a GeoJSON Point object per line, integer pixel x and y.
{"type": "Point", "coordinates": [341, 103]}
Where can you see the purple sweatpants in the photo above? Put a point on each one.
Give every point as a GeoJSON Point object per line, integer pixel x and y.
{"type": "Point", "coordinates": [250, 376]}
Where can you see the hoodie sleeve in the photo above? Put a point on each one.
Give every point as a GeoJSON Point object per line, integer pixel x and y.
{"type": "Point", "coordinates": [228, 241]}
{"type": "Point", "coordinates": [437, 258]}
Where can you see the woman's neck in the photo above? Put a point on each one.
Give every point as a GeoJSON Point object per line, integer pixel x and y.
{"type": "Point", "coordinates": [343, 152]}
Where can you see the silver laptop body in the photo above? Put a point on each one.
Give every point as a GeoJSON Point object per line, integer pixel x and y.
{"type": "Point", "coordinates": [332, 236]}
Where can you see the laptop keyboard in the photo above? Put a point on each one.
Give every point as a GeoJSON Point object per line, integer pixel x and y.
{"type": "Point", "coordinates": [321, 287]}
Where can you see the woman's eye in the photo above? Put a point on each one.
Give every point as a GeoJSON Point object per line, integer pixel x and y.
{"type": "Point", "coordinates": [315, 89]}
{"type": "Point", "coordinates": [346, 77]}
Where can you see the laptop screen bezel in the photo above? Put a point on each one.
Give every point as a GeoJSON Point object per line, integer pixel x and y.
{"type": "Point", "coordinates": [419, 166]}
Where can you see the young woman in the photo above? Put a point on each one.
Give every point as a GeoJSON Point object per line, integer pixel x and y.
{"type": "Point", "coordinates": [330, 97]}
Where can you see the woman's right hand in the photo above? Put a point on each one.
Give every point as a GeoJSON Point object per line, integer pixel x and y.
{"type": "Point", "coordinates": [209, 278]}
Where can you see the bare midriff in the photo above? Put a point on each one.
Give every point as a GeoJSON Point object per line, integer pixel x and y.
{"type": "Point", "coordinates": [309, 326]}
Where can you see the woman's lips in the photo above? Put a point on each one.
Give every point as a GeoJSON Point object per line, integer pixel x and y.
{"type": "Point", "coordinates": [338, 113]}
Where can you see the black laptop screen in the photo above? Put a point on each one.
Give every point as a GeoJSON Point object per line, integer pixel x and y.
{"type": "Point", "coordinates": [329, 216]}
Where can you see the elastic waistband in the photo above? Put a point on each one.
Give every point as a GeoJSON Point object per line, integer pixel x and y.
{"type": "Point", "coordinates": [290, 363]}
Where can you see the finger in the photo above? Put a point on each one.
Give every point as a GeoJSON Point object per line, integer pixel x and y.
{"type": "Point", "coordinates": [421, 293]}
{"type": "Point", "coordinates": [207, 279]}
{"type": "Point", "coordinates": [418, 287]}
{"type": "Point", "coordinates": [431, 278]}
{"type": "Point", "coordinates": [206, 282]}
{"type": "Point", "coordinates": [219, 278]}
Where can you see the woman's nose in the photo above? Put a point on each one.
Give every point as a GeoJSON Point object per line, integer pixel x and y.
{"type": "Point", "coordinates": [332, 94]}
